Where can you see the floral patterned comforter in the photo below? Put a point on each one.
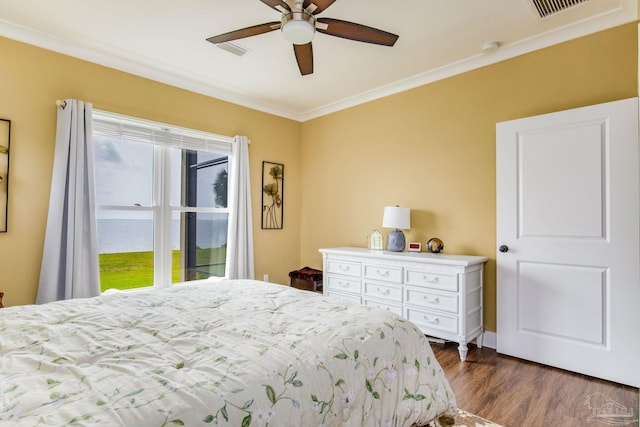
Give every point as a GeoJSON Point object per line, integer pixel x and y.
{"type": "Point", "coordinates": [230, 353]}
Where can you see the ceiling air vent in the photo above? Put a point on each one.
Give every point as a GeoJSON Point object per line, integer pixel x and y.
{"type": "Point", "coordinates": [236, 49]}
{"type": "Point", "coordinates": [549, 7]}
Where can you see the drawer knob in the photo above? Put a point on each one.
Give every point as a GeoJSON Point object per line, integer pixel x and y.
{"type": "Point", "coordinates": [433, 301]}
{"type": "Point", "coordinates": [383, 274]}
{"type": "Point", "coordinates": [386, 292]}
{"type": "Point", "coordinates": [343, 267]}
{"type": "Point", "coordinates": [430, 280]}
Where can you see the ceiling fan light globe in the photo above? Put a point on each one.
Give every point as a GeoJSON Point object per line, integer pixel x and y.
{"type": "Point", "coordinates": [298, 27]}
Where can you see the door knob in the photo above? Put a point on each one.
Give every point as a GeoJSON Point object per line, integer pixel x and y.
{"type": "Point", "coordinates": [503, 248]}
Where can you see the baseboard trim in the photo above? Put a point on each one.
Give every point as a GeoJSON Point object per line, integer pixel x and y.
{"type": "Point", "coordinates": [490, 339]}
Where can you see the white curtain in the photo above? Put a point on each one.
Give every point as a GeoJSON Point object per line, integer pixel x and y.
{"type": "Point", "coordinates": [240, 234]}
{"type": "Point", "coordinates": [70, 258]}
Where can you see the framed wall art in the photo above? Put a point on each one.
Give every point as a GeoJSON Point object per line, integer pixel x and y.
{"type": "Point", "coordinates": [5, 136]}
{"type": "Point", "coordinates": [272, 195]}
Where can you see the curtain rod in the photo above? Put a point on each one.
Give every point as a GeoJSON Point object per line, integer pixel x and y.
{"type": "Point", "coordinates": [61, 103]}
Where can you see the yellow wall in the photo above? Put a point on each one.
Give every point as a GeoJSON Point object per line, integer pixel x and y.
{"type": "Point", "coordinates": [430, 148]}
{"type": "Point", "coordinates": [433, 148]}
{"type": "Point", "coordinates": [32, 79]}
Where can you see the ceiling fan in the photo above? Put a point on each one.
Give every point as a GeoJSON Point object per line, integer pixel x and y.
{"type": "Point", "coordinates": [299, 24]}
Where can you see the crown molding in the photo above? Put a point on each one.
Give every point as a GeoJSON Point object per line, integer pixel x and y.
{"type": "Point", "coordinates": [592, 25]}
{"type": "Point", "coordinates": [101, 55]}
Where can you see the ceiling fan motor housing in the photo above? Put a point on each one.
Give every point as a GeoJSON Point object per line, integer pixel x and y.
{"type": "Point", "coordinates": [298, 27]}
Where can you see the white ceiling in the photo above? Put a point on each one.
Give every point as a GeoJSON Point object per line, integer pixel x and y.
{"type": "Point", "coordinates": [165, 40]}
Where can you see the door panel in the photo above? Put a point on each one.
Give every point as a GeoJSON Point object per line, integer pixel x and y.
{"type": "Point", "coordinates": [560, 195]}
{"type": "Point", "coordinates": [562, 302]}
{"type": "Point", "coordinates": [568, 197]}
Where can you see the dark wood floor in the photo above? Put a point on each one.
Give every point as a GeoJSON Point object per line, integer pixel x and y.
{"type": "Point", "coordinates": [517, 393]}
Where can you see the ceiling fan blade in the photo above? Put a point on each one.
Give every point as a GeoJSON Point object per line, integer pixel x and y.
{"type": "Point", "coordinates": [245, 32]}
{"type": "Point", "coordinates": [320, 5]}
{"type": "Point", "coordinates": [277, 5]}
{"type": "Point", "coordinates": [357, 32]}
{"type": "Point", "coordinates": [304, 56]}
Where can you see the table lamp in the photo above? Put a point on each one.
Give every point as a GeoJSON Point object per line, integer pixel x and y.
{"type": "Point", "coordinates": [398, 218]}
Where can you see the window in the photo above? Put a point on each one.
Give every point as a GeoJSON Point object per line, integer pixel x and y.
{"type": "Point", "coordinates": [161, 202]}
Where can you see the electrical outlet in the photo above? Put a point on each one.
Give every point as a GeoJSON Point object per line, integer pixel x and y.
{"type": "Point", "coordinates": [265, 278]}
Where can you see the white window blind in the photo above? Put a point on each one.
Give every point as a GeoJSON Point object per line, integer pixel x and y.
{"type": "Point", "coordinates": [118, 126]}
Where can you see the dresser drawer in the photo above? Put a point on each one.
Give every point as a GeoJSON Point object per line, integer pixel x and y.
{"type": "Point", "coordinates": [383, 272]}
{"type": "Point", "coordinates": [426, 319]}
{"type": "Point", "coordinates": [343, 284]}
{"type": "Point", "coordinates": [386, 291]}
{"type": "Point", "coordinates": [394, 308]}
{"type": "Point", "coordinates": [346, 268]}
{"type": "Point", "coordinates": [429, 279]}
{"type": "Point", "coordinates": [423, 297]}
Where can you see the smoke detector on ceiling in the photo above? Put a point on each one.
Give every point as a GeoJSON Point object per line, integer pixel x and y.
{"type": "Point", "coordinates": [544, 8]}
{"type": "Point", "coordinates": [489, 47]}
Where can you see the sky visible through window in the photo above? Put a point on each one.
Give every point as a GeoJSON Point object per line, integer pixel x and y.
{"type": "Point", "coordinates": [124, 176]}
{"type": "Point", "coordinates": [124, 173]}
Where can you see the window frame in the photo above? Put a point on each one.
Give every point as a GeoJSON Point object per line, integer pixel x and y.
{"type": "Point", "coordinates": [164, 138]}
{"type": "Point", "coordinates": [190, 173]}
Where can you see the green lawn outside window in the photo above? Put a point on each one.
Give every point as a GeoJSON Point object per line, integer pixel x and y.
{"type": "Point", "coordinates": [129, 270]}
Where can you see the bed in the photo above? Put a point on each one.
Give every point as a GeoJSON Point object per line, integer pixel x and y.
{"type": "Point", "coordinates": [237, 353]}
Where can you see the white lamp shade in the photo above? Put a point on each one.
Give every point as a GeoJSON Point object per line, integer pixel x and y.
{"type": "Point", "coordinates": [396, 217]}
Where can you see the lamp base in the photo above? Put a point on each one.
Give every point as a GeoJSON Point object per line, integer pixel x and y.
{"type": "Point", "coordinates": [396, 241]}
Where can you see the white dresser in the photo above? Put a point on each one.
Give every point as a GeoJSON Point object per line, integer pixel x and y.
{"type": "Point", "coordinates": [439, 293]}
